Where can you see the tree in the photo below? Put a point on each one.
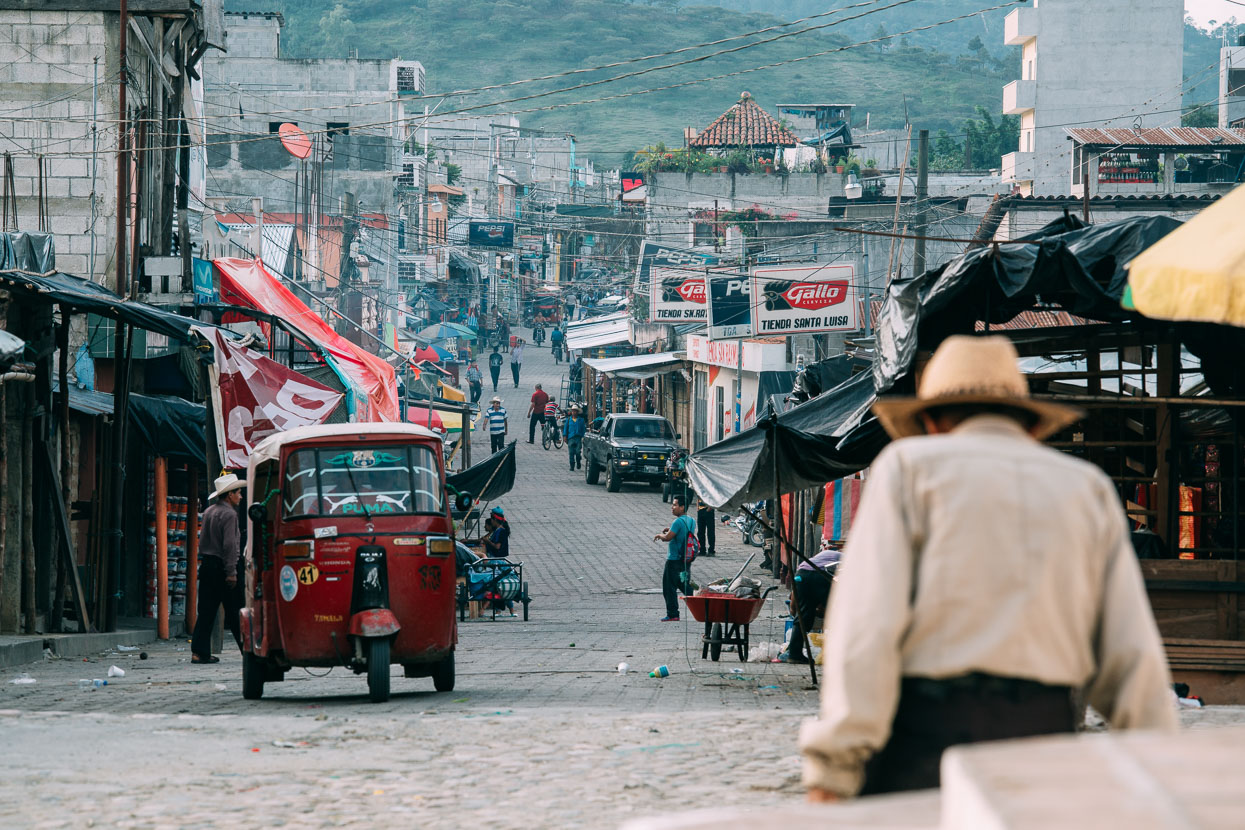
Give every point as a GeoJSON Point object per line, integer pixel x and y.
{"type": "Point", "coordinates": [975, 45]}
{"type": "Point", "coordinates": [989, 140]}
{"type": "Point", "coordinates": [337, 31]}
{"type": "Point", "coordinates": [879, 34]}
{"type": "Point", "coordinates": [1203, 115]}
{"type": "Point", "coordinates": [947, 154]}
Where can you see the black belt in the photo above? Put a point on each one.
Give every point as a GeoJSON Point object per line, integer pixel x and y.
{"type": "Point", "coordinates": [979, 684]}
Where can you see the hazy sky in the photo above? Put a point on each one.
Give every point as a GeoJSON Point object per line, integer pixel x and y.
{"type": "Point", "coordinates": [1206, 10]}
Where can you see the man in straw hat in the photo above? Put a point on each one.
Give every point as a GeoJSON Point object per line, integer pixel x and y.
{"type": "Point", "coordinates": [986, 579]}
{"type": "Point", "coordinates": [218, 567]}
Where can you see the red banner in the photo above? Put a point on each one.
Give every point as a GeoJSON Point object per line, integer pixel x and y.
{"type": "Point", "coordinates": [254, 397]}
{"type": "Point", "coordinates": [246, 282]}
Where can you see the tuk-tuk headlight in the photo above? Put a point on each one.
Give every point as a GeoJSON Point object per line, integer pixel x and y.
{"type": "Point", "coordinates": [440, 545]}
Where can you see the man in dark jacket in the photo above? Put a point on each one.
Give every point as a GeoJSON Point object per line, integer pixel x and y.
{"type": "Point", "coordinates": [219, 552]}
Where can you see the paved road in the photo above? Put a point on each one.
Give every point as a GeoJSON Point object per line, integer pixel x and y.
{"type": "Point", "coordinates": [539, 710]}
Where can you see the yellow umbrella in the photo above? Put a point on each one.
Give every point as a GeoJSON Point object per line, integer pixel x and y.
{"type": "Point", "coordinates": [452, 394]}
{"type": "Point", "coordinates": [1197, 272]}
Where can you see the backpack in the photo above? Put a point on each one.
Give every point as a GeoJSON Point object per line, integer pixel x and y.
{"type": "Point", "coordinates": [693, 548]}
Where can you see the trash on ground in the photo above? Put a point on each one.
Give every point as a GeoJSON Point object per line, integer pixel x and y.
{"type": "Point", "coordinates": [116, 671]}
{"type": "Point", "coordinates": [291, 744]}
{"type": "Point", "coordinates": [622, 668]}
{"type": "Point", "coordinates": [127, 648]}
{"type": "Point", "coordinates": [142, 655]}
{"type": "Point", "coordinates": [660, 671]}
{"type": "Point", "coordinates": [23, 679]}
{"type": "Point", "coordinates": [764, 652]}
{"type": "Point", "coordinates": [220, 687]}
{"type": "Point", "coordinates": [737, 671]}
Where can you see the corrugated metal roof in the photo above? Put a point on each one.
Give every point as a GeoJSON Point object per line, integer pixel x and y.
{"type": "Point", "coordinates": [1175, 137]}
{"type": "Point", "coordinates": [637, 366]}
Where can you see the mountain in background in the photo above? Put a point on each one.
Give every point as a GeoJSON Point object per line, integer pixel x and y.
{"type": "Point", "coordinates": [936, 78]}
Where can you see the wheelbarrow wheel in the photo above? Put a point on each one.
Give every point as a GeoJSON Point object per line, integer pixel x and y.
{"type": "Point", "coordinates": [252, 676]}
{"type": "Point", "coordinates": [715, 642]}
{"type": "Point", "coordinates": [378, 669]}
{"type": "Point", "coordinates": [526, 601]}
{"type": "Point", "coordinates": [443, 673]}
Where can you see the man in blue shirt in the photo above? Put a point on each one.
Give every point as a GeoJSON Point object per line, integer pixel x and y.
{"type": "Point", "coordinates": [497, 425]}
{"type": "Point", "coordinates": [674, 577]}
{"type": "Point", "coordinates": [574, 429]}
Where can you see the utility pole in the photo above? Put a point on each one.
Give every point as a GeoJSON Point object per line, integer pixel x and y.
{"type": "Point", "coordinates": [1085, 183]}
{"type": "Point", "coordinates": [922, 195]}
{"type": "Point", "coordinates": [120, 362]}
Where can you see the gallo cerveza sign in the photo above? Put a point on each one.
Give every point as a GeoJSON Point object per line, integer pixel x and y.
{"type": "Point", "coordinates": [804, 299]}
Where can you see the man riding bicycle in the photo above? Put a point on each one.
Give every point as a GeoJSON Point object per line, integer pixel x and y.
{"type": "Point", "coordinates": [551, 421]}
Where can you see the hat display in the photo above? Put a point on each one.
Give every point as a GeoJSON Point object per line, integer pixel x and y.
{"type": "Point", "coordinates": [227, 483]}
{"type": "Point", "coordinates": [972, 370]}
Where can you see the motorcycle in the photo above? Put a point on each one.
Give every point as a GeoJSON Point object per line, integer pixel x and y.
{"type": "Point", "coordinates": [538, 335]}
{"type": "Point", "coordinates": [676, 475]}
{"type": "Point", "coordinates": [749, 528]}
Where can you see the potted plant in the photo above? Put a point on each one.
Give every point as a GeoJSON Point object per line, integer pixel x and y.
{"type": "Point", "coordinates": [738, 162]}
{"type": "Point", "coordinates": [818, 165]}
{"type": "Point", "coordinates": [871, 170]}
{"type": "Point", "coordinates": [838, 164]}
{"type": "Point", "coordinates": [853, 164]}
{"type": "Point", "coordinates": [767, 165]}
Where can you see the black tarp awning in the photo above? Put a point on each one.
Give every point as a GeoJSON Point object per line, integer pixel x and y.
{"type": "Point", "coordinates": [499, 467]}
{"type": "Point", "coordinates": [464, 265]}
{"type": "Point", "coordinates": [169, 427]}
{"type": "Point", "coordinates": [828, 437]}
{"type": "Point", "coordinates": [1071, 267]}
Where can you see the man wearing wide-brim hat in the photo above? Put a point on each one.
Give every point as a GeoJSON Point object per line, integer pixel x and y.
{"type": "Point", "coordinates": [219, 548]}
{"type": "Point", "coordinates": [986, 579]}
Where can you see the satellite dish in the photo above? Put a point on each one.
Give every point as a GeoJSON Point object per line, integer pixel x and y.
{"type": "Point", "coordinates": [294, 140]}
{"type": "Point", "coordinates": [1182, 163]}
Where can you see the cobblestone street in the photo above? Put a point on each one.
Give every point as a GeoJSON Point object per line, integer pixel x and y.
{"type": "Point", "coordinates": [541, 731]}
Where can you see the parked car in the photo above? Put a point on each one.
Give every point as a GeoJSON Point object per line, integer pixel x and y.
{"type": "Point", "coordinates": [629, 447]}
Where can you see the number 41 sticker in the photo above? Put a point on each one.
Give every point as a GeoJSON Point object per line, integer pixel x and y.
{"type": "Point", "coordinates": [308, 574]}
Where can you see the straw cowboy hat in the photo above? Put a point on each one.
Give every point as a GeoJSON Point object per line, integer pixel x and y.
{"type": "Point", "coordinates": [972, 370]}
{"type": "Point", "coordinates": [226, 484]}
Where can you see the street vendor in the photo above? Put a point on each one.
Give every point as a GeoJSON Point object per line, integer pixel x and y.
{"type": "Point", "coordinates": [986, 579]}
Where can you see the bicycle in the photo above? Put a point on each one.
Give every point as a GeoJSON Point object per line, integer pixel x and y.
{"type": "Point", "coordinates": [551, 434]}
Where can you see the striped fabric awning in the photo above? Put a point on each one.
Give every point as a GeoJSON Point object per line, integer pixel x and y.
{"type": "Point", "coordinates": [839, 507]}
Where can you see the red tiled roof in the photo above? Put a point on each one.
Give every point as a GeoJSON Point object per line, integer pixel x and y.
{"type": "Point", "coordinates": [747, 125]}
{"type": "Point", "coordinates": [1158, 137]}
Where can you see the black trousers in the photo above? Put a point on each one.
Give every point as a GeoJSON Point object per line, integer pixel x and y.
{"type": "Point", "coordinates": [935, 715]}
{"type": "Point", "coordinates": [514, 370]}
{"type": "Point", "coordinates": [537, 418]}
{"type": "Point", "coordinates": [671, 584]}
{"type": "Point", "coordinates": [497, 441]}
{"type": "Point", "coordinates": [811, 592]}
{"type": "Point", "coordinates": [706, 532]}
{"type": "Point", "coordinates": [495, 371]}
{"type": "Point", "coordinates": [476, 390]}
{"type": "Point", "coordinates": [213, 591]}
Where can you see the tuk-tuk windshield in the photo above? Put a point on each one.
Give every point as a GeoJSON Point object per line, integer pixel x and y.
{"type": "Point", "coordinates": [378, 481]}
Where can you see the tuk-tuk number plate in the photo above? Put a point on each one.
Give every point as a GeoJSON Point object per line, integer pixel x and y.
{"type": "Point", "coordinates": [289, 584]}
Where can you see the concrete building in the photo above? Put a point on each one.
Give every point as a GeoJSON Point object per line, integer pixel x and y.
{"type": "Point", "coordinates": [1106, 63]}
{"type": "Point", "coordinates": [59, 98]}
{"type": "Point", "coordinates": [1232, 84]}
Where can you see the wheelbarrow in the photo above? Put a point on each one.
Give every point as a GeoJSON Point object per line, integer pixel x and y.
{"type": "Point", "coordinates": [726, 618]}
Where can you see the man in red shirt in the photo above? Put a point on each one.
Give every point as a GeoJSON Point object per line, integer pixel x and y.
{"type": "Point", "coordinates": [536, 413]}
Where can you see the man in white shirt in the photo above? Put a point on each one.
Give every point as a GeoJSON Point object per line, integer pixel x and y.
{"type": "Point", "coordinates": [985, 579]}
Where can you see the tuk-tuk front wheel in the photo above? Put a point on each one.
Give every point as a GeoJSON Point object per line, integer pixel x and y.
{"type": "Point", "coordinates": [443, 673]}
{"type": "Point", "coordinates": [253, 671]}
{"type": "Point", "coordinates": [378, 669]}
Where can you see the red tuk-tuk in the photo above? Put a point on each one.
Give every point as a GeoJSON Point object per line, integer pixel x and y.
{"type": "Point", "coordinates": [350, 556]}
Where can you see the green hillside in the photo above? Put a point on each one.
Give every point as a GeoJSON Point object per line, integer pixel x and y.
{"type": "Point", "coordinates": [465, 44]}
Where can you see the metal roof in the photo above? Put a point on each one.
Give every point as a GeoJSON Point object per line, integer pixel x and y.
{"type": "Point", "coordinates": [1186, 138]}
{"type": "Point", "coordinates": [639, 366]}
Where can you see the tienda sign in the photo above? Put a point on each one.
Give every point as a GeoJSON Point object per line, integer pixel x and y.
{"type": "Point", "coordinates": [804, 299]}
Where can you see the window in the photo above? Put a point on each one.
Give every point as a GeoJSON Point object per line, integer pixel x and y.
{"type": "Point", "coordinates": [406, 79]}
{"type": "Point", "coordinates": [333, 128]}
{"type": "Point", "coordinates": [700, 411]}
{"type": "Point", "coordinates": [719, 406]}
{"type": "Point", "coordinates": [643, 428]}
{"type": "Point", "coordinates": [274, 127]}
{"type": "Point", "coordinates": [347, 481]}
